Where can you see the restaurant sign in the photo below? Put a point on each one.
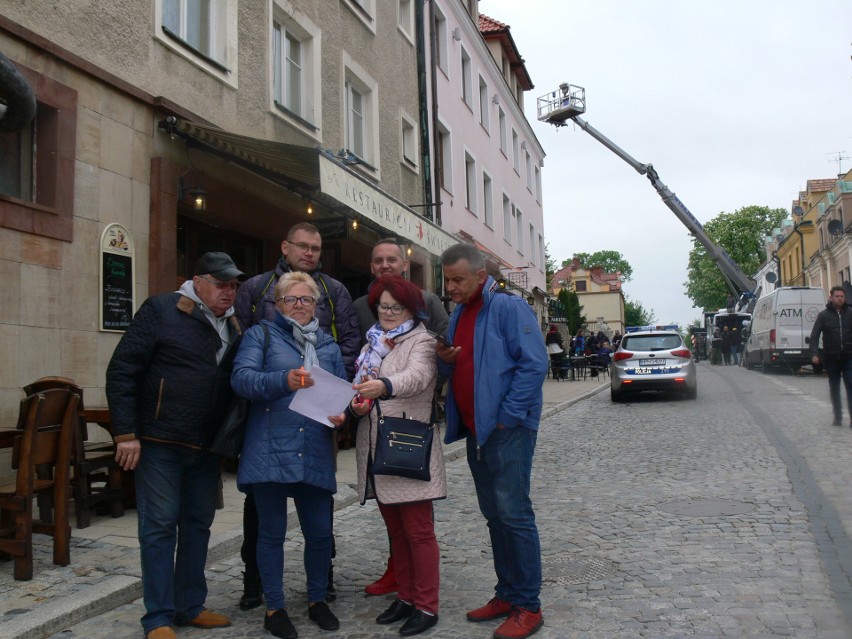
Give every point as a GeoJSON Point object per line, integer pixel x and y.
{"type": "Point", "coordinates": [372, 204]}
{"type": "Point", "coordinates": [117, 276]}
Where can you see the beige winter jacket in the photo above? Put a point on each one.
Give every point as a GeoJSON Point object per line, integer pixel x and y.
{"type": "Point", "coordinates": [412, 370]}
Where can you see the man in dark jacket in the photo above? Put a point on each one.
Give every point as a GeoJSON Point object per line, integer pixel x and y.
{"type": "Point", "coordinates": [835, 326]}
{"type": "Point", "coordinates": [168, 385]}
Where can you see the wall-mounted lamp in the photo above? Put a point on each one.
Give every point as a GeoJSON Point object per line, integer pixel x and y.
{"type": "Point", "coordinates": [495, 99]}
{"type": "Point", "coordinates": [310, 209]}
{"type": "Point", "coordinates": [408, 251]}
{"type": "Point", "coordinates": [457, 34]}
{"type": "Point", "coordinates": [198, 197]}
{"type": "Point", "coordinates": [531, 300]}
{"type": "Point", "coordinates": [354, 225]}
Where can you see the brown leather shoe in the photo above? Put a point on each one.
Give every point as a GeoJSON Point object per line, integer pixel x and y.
{"type": "Point", "coordinates": [163, 632]}
{"type": "Point", "coordinates": [208, 619]}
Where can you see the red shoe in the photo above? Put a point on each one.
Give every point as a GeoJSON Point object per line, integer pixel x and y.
{"type": "Point", "coordinates": [385, 584]}
{"type": "Point", "coordinates": [520, 624]}
{"type": "Point", "coordinates": [494, 609]}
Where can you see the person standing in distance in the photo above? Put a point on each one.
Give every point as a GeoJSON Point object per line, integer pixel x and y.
{"type": "Point", "coordinates": [834, 324]}
{"type": "Point", "coordinates": [496, 367]}
{"type": "Point", "coordinates": [168, 386]}
{"type": "Point", "coordinates": [300, 252]}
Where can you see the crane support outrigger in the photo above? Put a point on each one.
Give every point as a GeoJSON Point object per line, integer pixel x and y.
{"type": "Point", "coordinates": [566, 104]}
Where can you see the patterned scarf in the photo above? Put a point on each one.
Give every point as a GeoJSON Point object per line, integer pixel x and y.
{"type": "Point", "coordinates": [380, 344]}
{"type": "Point", "coordinates": [306, 338]}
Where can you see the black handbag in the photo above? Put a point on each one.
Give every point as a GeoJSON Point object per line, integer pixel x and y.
{"type": "Point", "coordinates": [403, 446]}
{"type": "Point", "coordinates": [228, 442]}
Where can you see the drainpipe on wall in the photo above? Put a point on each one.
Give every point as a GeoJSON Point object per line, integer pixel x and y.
{"type": "Point", "coordinates": [424, 108]}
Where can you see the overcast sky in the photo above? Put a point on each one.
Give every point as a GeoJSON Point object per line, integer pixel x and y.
{"type": "Point", "coordinates": [734, 102]}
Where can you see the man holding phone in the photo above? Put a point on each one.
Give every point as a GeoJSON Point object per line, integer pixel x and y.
{"type": "Point", "coordinates": [496, 369]}
{"type": "Point", "coordinates": [389, 258]}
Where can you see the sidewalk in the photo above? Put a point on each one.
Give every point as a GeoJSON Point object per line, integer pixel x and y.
{"type": "Point", "coordinates": [104, 571]}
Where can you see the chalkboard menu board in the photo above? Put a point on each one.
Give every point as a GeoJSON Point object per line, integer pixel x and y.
{"type": "Point", "coordinates": [117, 304]}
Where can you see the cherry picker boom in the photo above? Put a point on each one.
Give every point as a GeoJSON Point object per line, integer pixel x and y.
{"type": "Point", "coordinates": [568, 102]}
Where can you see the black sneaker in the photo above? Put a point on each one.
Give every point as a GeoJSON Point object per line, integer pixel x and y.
{"type": "Point", "coordinates": [279, 624]}
{"type": "Point", "coordinates": [252, 592]}
{"type": "Point", "coordinates": [325, 619]}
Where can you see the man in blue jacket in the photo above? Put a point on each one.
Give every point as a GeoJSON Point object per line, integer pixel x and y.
{"type": "Point", "coordinates": [497, 366]}
{"type": "Point", "coordinates": [168, 386]}
{"type": "Point", "coordinates": [834, 324]}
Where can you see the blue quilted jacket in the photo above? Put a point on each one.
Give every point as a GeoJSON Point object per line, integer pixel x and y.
{"type": "Point", "coordinates": [280, 445]}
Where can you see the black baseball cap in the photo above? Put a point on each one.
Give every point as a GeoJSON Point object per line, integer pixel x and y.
{"type": "Point", "coordinates": [219, 265]}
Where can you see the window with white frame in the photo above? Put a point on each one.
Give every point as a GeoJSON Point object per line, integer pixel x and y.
{"type": "Point", "coordinates": [519, 220]}
{"type": "Point", "coordinates": [409, 140]}
{"type": "Point", "coordinates": [360, 100]}
{"type": "Point", "coordinates": [484, 104]}
{"type": "Point", "coordinates": [487, 200]}
{"type": "Point", "coordinates": [406, 18]}
{"type": "Point", "coordinates": [508, 213]}
{"type": "Point", "coordinates": [528, 162]}
{"type": "Point", "coordinates": [466, 79]}
{"type": "Point", "coordinates": [501, 120]}
{"type": "Point", "coordinates": [542, 264]}
{"type": "Point", "coordinates": [295, 60]}
{"type": "Point", "coordinates": [203, 27]}
{"type": "Point", "coordinates": [445, 152]}
{"type": "Point", "coordinates": [470, 182]}
{"type": "Point", "coordinates": [516, 155]}
{"type": "Point", "coordinates": [441, 45]}
{"type": "Point", "coordinates": [537, 184]}
{"type": "Point", "coordinates": [532, 245]}
{"type": "Point", "coordinates": [364, 10]}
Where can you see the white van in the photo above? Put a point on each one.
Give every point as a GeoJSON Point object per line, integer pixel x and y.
{"type": "Point", "coordinates": [781, 327]}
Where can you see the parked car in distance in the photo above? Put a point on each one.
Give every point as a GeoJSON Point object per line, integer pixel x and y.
{"type": "Point", "coordinates": [652, 361]}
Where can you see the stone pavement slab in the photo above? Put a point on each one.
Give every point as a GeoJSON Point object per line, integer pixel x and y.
{"type": "Point", "coordinates": [105, 573]}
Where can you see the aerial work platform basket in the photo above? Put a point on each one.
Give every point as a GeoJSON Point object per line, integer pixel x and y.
{"type": "Point", "coordinates": [558, 106]}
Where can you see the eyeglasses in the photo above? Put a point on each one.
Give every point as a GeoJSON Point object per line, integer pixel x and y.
{"type": "Point", "coordinates": [394, 309]}
{"type": "Point", "coordinates": [220, 284]}
{"type": "Point", "coordinates": [307, 248]}
{"type": "Point", "coordinates": [305, 300]}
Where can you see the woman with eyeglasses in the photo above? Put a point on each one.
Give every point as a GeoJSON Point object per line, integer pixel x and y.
{"type": "Point", "coordinates": [284, 453]}
{"type": "Point", "coordinates": [397, 368]}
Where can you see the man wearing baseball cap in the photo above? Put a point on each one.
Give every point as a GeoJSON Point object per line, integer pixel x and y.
{"type": "Point", "coordinates": [168, 386]}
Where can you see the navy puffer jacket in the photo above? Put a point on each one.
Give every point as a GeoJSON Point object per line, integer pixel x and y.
{"type": "Point", "coordinates": [282, 446]}
{"type": "Point", "coordinates": [163, 382]}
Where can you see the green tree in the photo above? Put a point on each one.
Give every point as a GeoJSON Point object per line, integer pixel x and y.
{"type": "Point", "coordinates": [611, 261]}
{"type": "Point", "coordinates": [549, 266]}
{"type": "Point", "coordinates": [637, 315]}
{"type": "Point", "coordinates": [574, 317]}
{"type": "Point", "coordinates": [741, 234]}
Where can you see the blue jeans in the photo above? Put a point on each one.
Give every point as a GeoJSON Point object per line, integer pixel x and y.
{"type": "Point", "coordinates": [735, 355]}
{"type": "Point", "coordinates": [837, 368]}
{"type": "Point", "coordinates": [176, 490]}
{"type": "Point", "coordinates": [501, 476]}
{"type": "Point", "coordinates": [313, 506]}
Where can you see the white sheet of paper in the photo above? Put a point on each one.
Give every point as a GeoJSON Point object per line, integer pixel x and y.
{"type": "Point", "coordinates": [329, 395]}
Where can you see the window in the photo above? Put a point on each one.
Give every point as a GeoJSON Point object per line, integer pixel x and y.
{"type": "Point", "coordinates": [295, 60]}
{"type": "Point", "coordinates": [37, 170]}
{"type": "Point", "coordinates": [487, 200]}
{"type": "Point", "coordinates": [364, 10]}
{"type": "Point", "coordinates": [532, 245]}
{"type": "Point", "coordinates": [470, 182]}
{"type": "Point", "coordinates": [501, 118]}
{"type": "Point", "coordinates": [483, 103]}
{"type": "Point", "coordinates": [528, 163]}
{"type": "Point", "coordinates": [466, 79]}
{"type": "Point", "coordinates": [359, 102]}
{"type": "Point", "coordinates": [519, 219]}
{"type": "Point", "coordinates": [508, 212]}
{"type": "Point", "coordinates": [409, 141]}
{"type": "Point", "coordinates": [199, 24]}
{"type": "Point", "coordinates": [537, 184]}
{"type": "Point", "coordinates": [445, 152]}
{"type": "Point", "coordinates": [406, 18]}
{"type": "Point", "coordinates": [441, 47]}
{"type": "Point", "coordinates": [516, 162]}
{"type": "Point", "coordinates": [543, 262]}
{"type": "Point", "coordinates": [580, 286]}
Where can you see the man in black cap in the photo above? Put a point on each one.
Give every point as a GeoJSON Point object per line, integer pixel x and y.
{"type": "Point", "coordinates": [168, 386]}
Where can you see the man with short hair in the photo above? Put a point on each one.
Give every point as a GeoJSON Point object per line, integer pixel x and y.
{"type": "Point", "coordinates": [497, 366]}
{"type": "Point", "coordinates": [168, 386]}
{"type": "Point", "coordinates": [389, 258]}
{"type": "Point", "coordinates": [300, 252]}
{"type": "Point", "coordinates": [835, 326]}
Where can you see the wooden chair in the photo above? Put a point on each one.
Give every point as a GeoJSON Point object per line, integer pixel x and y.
{"type": "Point", "coordinates": [97, 476]}
{"type": "Point", "coordinates": [49, 420]}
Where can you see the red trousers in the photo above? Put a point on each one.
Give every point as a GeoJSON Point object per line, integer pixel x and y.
{"type": "Point", "coordinates": [416, 558]}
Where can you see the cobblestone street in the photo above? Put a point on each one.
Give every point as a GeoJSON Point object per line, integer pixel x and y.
{"type": "Point", "coordinates": [728, 516]}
